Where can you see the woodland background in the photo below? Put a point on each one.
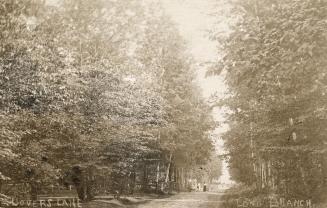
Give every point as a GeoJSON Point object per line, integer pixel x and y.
{"type": "Point", "coordinates": [100, 95]}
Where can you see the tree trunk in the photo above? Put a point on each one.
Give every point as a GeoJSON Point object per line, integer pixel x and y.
{"type": "Point", "coordinates": [145, 178]}
{"type": "Point", "coordinates": [304, 180]}
{"type": "Point", "coordinates": [182, 178]}
{"type": "Point", "coordinates": [81, 190]}
{"type": "Point", "coordinates": [261, 174]}
{"type": "Point", "coordinates": [177, 179]}
{"type": "Point", "coordinates": [158, 176]}
{"type": "Point", "coordinates": [185, 179]}
{"type": "Point", "coordinates": [133, 183]}
{"type": "Point", "coordinates": [79, 181]}
{"type": "Point", "coordinates": [170, 175]}
{"type": "Point", "coordinates": [33, 192]}
{"type": "Point", "coordinates": [269, 176]}
{"type": "Point", "coordinates": [89, 190]}
{"type": "Point", "coordinates": [264, 174]}
{"type": "Point", "coordinates": [168, 168]}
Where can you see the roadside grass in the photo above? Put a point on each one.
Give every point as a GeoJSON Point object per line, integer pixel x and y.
{"type": "Point", "coordinates": [247, 196]}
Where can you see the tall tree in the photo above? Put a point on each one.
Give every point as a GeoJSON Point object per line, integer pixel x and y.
{"type": "Point", "coordinates": [275, 68]}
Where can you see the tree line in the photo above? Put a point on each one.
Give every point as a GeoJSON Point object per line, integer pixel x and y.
{"type": "Point", "coordinates": [97, 94]}
{"type": "Point", "coordinates": [274, 62]}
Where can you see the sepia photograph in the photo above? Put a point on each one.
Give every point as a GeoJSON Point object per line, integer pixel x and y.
{"type": "Point", "coordinates": [163, 103]}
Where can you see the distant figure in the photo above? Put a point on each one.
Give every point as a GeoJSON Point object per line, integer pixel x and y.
{"type": "Point", "coordinates": [204, 187]}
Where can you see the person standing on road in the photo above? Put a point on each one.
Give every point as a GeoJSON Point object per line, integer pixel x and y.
{"type": "Point", "coordinates": [204, 187]}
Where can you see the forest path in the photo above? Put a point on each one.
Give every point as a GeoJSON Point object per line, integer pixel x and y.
{"type": "Point", "coordinates": [186, 200]}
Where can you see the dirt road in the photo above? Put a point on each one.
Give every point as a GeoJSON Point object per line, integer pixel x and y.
{"type": "Point", "coordinates": [186, 200]}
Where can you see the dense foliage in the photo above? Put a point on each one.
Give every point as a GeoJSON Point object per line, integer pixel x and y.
{"type": "Point", "coordinates": [96, 94]}
{"type": "Point", "coordinates": [275, 65]}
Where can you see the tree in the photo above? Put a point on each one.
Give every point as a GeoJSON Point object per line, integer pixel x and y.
{"type": "Point", "coordinates": [275, 70]}
{"type": "Point", "coordinates": [78, 96]}
{"type": "Point", "coordinates": [183, 146]}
